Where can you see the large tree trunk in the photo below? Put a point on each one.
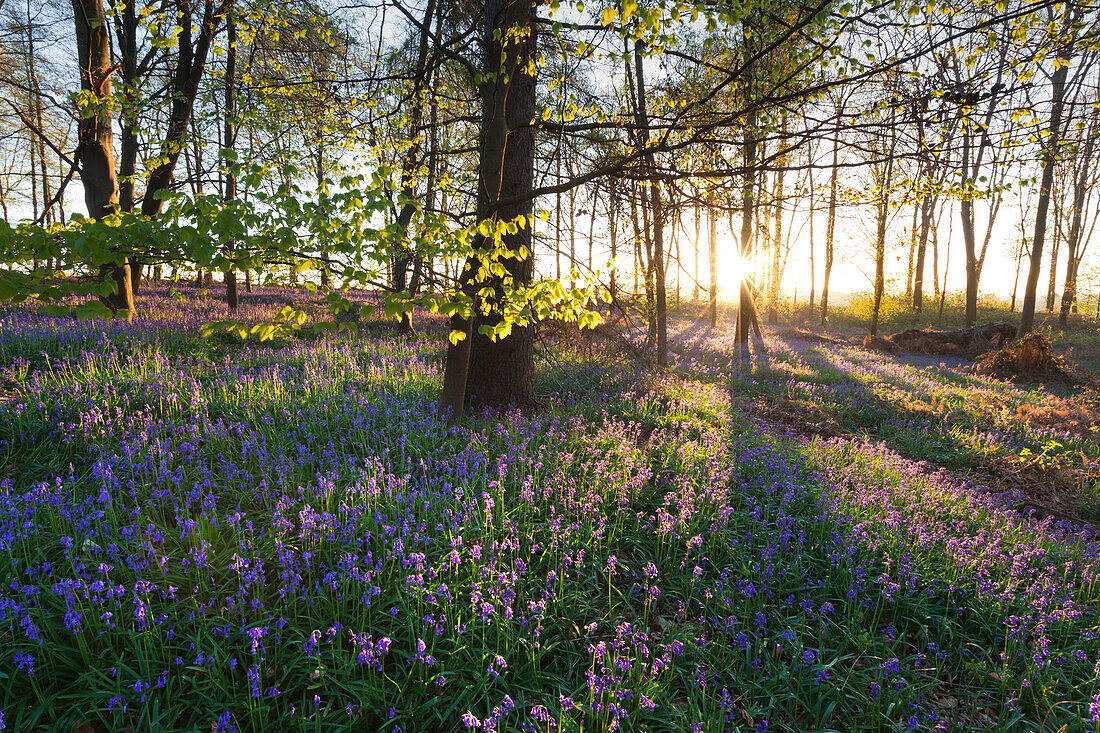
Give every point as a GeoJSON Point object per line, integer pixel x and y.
{"type": "Point", "coordinates": [480, 371]}
{"type": "Point", "coordinates": [97, 141]}
{"type": "Point", "coordinates": [1050, 158]}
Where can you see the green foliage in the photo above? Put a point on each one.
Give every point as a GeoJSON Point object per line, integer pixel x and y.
{"type": "Point", "coordinates": [346, 220]}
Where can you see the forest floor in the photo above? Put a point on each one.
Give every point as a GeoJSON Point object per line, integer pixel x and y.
{"type": "Point", "coordinates": [1030, 438]}
{"type": "Point", "coordinates": [202, 534]}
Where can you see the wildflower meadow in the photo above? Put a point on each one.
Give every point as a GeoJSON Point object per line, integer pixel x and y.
{"type": "Point", "coordinates": [200, 534]}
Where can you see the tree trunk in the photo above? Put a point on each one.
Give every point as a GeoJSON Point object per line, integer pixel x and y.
{"type": "Point", "coordinates": [1052, 281]}
{"type": "Point", "coordinates": [128, 57]}
{"type": "Point", "coordinates": [1050, 157]}
{"type": "Point", "coordinates": [813, 273]}
{"type": "Point", "coordinates": [746, 312]}
{"type": "Point", "coordinates": [880, 260]}
{"type": "Point", "coordinates": [884, 183]}
{"type": "Point", "coordinates": [830, 228]}
{"type": "Point", "coordinates": [777, 271]}
{"type": "Point", "coordinates": [966, 209]}
{"type": "Point", "coordinates": [1073, 240]}
{"type": "Point", "coordinates": [409, 164]}
{"type": "Point", "coordinates": [480, 371]}
{"type": "Point", "coordinates": [712, 255]}
{"type": "Point", "coordinates": [191, 62]}
{"type": "Point", "coordinates": [695, 290]}
{"type": "Point", "coordinates": [97, 141]}
{"type": "Point", "coordinates": [922, 248]}
{"type": "Point", "coordinates": [612, 210]}
{"type": "Point", "coordinates": [230, 142]}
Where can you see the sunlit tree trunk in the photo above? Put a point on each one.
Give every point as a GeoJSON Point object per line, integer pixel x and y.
{"type": "Point", "coordinates": [695, 248]}
{"type": "Point", "coordinates": [657, 216]}
{"type": "Point", "coordinates": [830, 229]}
{"type": "Point", "coordinates": [1050, 157]}
{"type": "Point", "coordinates": [777, 269]}
{"type": "Point", "coordinates": [712, 256]}
{"type": "Point", "coordinates": [97, 140]}
{"type": "Point", "coordinates": [1073, 240]}
{"type": "Point", "coordinates": [1052, 281]}
{"type": "Point", "coordinates": [884, 183]}
{"type": "Point", "coordinates": [746, 311]}
{"type": "Point", "coordinates": [480, 371]}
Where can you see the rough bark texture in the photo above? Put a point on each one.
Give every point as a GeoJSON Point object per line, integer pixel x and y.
{"type": "Point", "coordinates": [481, 372]}
{"type": "Point", "coordinates": [927, 341]}
{"type": "Point", "coordinates": [127, 45]}
{"type": "Point", "coordinates": [97, 140]}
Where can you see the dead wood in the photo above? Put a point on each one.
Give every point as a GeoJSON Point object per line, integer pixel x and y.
{"type": "Point", "coordinates": [877, 343]}
{"type": "Point", "coordinates": [1030, 358]}
{"type": "Point", "coordinates": [963, 342]}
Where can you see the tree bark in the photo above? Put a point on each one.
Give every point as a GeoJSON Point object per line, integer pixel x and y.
{"type": "Point", "coordinates": [230, 141]}
{"type": "Point", "coordinates": [777, 269]}
{"type": "Point", "coordinates": [191, 62]}
{"type": "Point", "coordinates": [712, 255]}
{"type": "Point", "coordinates": [966, 209]}
{"type": "Point", "coordinates": [1073, 239]}
{"type": "Point", "coordinates": [830, 228]}
{"type": "Point", "coordinates": [885, 182]}
{"type": "Point", "coordinates": [97, 141]}
{"type": "Point", "coordinates": [1052, 281]}
{"type": "Point", "coordinates": [480, 371]}
{"type": "Point", "coordinates": [404, 258]}
{"type": "Point", "coordinates": [656, 208]}
{"type": "Point", "coordinates": [922, 248]}
{"type": "Point", "coordinates": [128, 57]}
{"type": "Point", "coordinates": [1050, 157]}
{"type": "Point", "coordinates": [746, 311]}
